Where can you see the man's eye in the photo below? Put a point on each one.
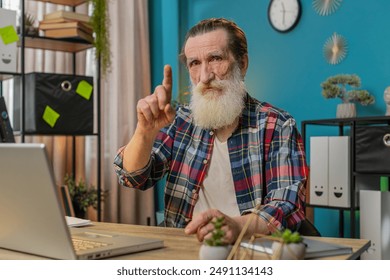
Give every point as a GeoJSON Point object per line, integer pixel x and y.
{"type": "Point", "coordinates": [216, 58]}
{"type": "Point", "coordinates": [193, 63]}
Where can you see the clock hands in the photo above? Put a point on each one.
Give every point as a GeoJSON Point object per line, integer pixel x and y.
{"type": "Point", "coordinates": [284, 13]}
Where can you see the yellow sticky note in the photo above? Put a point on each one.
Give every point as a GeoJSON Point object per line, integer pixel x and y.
{"type": "Point", "coordinates": [84, 89]}
{"type": "Point", "coordinates": [8, 34]}
{"type": "Point", "coordinates": [50, 116]}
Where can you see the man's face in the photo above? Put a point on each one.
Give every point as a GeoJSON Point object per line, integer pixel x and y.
{"type": "Point", "coordinates": [217, 87]}
{"type": "Point", "coordinates": [208, 57]}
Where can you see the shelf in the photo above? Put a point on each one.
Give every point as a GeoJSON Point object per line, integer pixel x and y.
{"type": "Point", "coordinates": [349, 121]}
{"type": "Point", "coordinates": [7, 75]}
{"type": "Point", "coordinates": [65, 2]}
{"type": "Point", "coordinates": [54, 44]}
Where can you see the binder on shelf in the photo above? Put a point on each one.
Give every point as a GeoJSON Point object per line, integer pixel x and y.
{"type": "Point", "coordinates": [8, 45]}
{"type": "Point", "coordinates": [375, 224]}
{"type": "Point", "coordinates": [319, 170]}
{"type": "Point", "coordinates": [339, 170]}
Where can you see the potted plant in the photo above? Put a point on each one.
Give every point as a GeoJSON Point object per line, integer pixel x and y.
{"type": "Point", "coordinates": [289, 246]}
{"type": "Point", "coordinates": [214, 248]}
{"type": "Point", "coordinates": [82, 196]}
{"type": "Point", "coordinates": [346, 87]}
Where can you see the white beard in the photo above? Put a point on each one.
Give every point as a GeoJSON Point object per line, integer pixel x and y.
{"type": "Point", "coordinates": [219, 108]}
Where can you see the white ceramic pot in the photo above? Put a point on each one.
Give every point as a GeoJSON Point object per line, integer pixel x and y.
{"type": "Point", "coordinates": [207, 252]}
{"type": "Point", "coordinates": [292, 251]}
{"type": "Point", "coordinates": [346, 110]}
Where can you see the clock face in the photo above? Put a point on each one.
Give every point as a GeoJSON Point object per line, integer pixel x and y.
{"type": "Point", "coordinates": [284, 14]}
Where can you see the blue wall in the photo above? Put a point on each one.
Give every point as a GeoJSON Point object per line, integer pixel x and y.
{"type": "Point", "coordinates": [287, 69]}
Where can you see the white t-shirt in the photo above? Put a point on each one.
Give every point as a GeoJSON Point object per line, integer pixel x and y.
{"type": "Point", "coordinates": [218, 188]}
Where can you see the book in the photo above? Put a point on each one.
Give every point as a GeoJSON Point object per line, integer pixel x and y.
{"type": "Point", "coordinates": [75, 24]}
{"type": "Point", "coordinates": [67, 15]}
{"type": "Point", "coordinates": [69, 33]}
{"type": "Point", "coordinates": [314, 248]}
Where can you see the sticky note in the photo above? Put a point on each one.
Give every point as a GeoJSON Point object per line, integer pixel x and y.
{"type": "Point", "coordinates": [50, 116]}
{"type": "Point", "coordinates": [8, 34]}
{"type": "Point", "coordinates": [84, 89]}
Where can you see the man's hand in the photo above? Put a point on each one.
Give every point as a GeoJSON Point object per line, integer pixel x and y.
{"type": "Point", "coordinates": [202, 226]}
{"type": "Point", "coordinates": [155, 111]}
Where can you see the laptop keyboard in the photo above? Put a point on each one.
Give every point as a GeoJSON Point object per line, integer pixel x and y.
{"type": "Point", "coordinates": [80, 244]}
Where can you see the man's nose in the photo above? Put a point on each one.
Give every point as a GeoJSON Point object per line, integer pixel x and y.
{"type": "Point", "coordinates": [206, 73]}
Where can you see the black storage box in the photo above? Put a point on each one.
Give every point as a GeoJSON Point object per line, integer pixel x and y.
{"type": "Point", "coordinates": [57, 104]}
{"type": "Point", "coordinates": [372, 149]}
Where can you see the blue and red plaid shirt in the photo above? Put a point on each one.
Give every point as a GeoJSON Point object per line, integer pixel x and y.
{"type": "Point", "coordinates": [266, 146]}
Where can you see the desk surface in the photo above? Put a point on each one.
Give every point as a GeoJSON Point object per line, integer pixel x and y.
{"type": "Point", "coordinates": [179, 246]}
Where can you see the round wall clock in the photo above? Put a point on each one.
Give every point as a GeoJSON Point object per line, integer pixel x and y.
{"type": "Point", "coordinates": [284, 15]}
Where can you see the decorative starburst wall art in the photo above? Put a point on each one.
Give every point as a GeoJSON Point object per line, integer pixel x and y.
{"type": "Point", "coordinates": [326, 7]}
{"type": "Point", "coordinates": [335, 49]}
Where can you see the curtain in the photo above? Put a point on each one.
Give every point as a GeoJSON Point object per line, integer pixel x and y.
{"type": "Point", "coordinates": [128, 81]}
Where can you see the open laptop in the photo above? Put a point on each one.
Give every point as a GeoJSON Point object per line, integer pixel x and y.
{"type": "Point", "coordinates": [32, 219]}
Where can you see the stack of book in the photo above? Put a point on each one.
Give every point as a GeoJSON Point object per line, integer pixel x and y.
{"type": "Point", "coordinates": [66, 24]}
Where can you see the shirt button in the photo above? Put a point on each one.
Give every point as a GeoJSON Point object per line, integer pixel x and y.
{"type": "Point", "coordinates": [211, 133]}
{"type": "Point", "coordinates": [205, 161]}
{"type": "Point", "coordinates": [193, 191]}
{"type": "Point", "coordinates": [187, 220]}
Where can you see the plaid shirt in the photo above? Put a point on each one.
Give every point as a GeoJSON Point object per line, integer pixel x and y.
{"type": "Point", "coordinates": [265, 146]}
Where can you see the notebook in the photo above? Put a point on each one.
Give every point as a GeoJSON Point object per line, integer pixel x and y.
{"type": "Point", "coordinates": [32, 219]}
{"type": "Point", "coordinates": [314, 248]}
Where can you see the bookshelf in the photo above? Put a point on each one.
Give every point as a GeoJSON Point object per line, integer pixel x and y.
{"type": "Point", "coordinates": [69, 45]}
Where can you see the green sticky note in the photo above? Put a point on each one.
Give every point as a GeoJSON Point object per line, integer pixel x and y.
{"type": "Point", "coordinates": [50, 116]}
{"type": "Point", "coordinates": [84, 89]}
{"type": "Point", "coordinates": [8, 34]}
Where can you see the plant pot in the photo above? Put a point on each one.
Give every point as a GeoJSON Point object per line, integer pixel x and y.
{"type": "Point", "coordinates": [346, 110]}
{"type": "Point", "coordinates": [292, 251]}
{"type": "Point", "coordinates": [207, 252]}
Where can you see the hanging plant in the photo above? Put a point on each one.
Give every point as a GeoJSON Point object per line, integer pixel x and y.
{"type": "Point", "coordinates": [100, 23]}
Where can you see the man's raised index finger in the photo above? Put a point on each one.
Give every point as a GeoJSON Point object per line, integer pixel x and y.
{"type": "Point", "coordinates": [167, 82]}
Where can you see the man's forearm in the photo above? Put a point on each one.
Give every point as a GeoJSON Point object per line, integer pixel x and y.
{"type": "Point", "coordinates": [137, 152]}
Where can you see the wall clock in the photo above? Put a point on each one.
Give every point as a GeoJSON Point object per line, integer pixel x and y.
{"type": "Point", "coordinates": [284, 15]}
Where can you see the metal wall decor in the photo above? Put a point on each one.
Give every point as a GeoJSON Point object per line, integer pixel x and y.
{"type": "Point", "coordinates": [326, 7]}
{"type": "Point", "coordinates": [335, 49]}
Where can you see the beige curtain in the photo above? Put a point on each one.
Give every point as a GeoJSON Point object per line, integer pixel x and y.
{"type": "Point", "coordinates": [128, 81]}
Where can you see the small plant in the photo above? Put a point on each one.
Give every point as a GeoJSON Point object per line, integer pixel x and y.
{"type": "Point", "coordinates": [345, 87]}
{"type": "Point", "coordinates": [82, 196]}
{"type": "Point", "coordinates": [288, 236]}
{"type": "Point", "coordinates": [217, 234]}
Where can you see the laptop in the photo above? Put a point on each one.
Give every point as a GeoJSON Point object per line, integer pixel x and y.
{"type": "Point", "coordinates": [32, 219]}
{"type": "Point", "coordinates": [314, 248]}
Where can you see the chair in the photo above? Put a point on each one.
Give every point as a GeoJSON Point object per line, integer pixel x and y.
{"type": "Point", "coordinates": [308, 229]}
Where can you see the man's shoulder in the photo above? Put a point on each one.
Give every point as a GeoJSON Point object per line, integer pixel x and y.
{"type": "Point", "coordinates": [264, 109]}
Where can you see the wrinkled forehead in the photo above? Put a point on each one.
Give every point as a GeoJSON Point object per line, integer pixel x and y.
{"type": "Point", "coordinates": [214, 41]}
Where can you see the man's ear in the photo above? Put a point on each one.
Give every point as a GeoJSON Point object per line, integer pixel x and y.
{"type": "Point", "coordinates": [244, 65]}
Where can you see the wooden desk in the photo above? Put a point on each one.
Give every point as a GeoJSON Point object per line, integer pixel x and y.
{"type": "Point", "coordinates": [178, 246]}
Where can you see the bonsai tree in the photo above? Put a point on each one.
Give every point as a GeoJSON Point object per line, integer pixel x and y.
{"type": "Point", "coordinates": [217, 234]}
{"type": "Point", "coordinates": [345, 87]}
